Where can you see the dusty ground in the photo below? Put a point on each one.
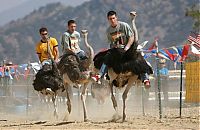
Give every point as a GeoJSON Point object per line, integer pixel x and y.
{"type": "Point", "coordinates": [138, 122]}
{"type": "Point", "coordinates": [170, 120]}
{"type": "Point", "coordinates": [15, 115]}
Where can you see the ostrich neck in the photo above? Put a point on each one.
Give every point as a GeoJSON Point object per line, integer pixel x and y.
{"type": "Point", "coordinates": [90, 49]}
{"type": "Point", "coordinates": [135, 30]}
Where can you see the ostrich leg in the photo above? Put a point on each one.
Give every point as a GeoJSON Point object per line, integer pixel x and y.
{"type": "Point", "coordinates": [83, 99]}
{"type": "Point", "coordinates": [55, 105]}
{"type": "Point", "coordinates": [124, 96]}
{"type": "Point", "coordinates": [68, 102]}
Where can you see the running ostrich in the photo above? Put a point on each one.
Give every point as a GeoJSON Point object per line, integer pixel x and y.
{"type": "Point", "coordinates": [69, 72]}
{"type": "Point", "coordinates": [77, 73]}
{"type": "Point", "coordinates": [124, 69]}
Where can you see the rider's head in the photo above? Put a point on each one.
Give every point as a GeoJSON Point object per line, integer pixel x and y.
{"type": "Point", "coordinates": [43, 33]}
{"type": "Point", "coordinates": [112, 18]}
{"type": "Point", "coordinates": [71, 26]}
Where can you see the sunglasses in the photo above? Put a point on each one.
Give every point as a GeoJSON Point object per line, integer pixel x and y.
{"type": "Point", "coordinates": [44, 34]}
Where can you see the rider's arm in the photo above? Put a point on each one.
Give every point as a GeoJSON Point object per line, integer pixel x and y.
{"type": "Point", "coordinates": [129, 33]}
{"type": "Point", "coordinates": [65, 43]}
{"type": "Point", "coordinates": [130, 42]}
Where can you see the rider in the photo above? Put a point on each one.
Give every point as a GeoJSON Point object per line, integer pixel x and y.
{"type": "Point", "coordinates": [44, 54]}
{"type": "Point", "coordinates": [120, 35]}
{"type": "Point", "coordinates": [71, 40]}
{"type": "Point", "coordinates": [47, 49]}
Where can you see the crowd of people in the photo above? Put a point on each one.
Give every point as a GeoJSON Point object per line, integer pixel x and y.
{"type": "Point", "coordinates": [12, 73]}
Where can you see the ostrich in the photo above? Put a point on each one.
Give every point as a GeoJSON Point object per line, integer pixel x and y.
{"type": "Point", "coordinates": [77, 73]}
{"type": "Point", "coordinates": [124, 68]}
{"type": "Point", "coordinates": [69, 72]}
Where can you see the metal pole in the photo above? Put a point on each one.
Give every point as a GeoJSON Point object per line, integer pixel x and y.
{"type": "Point", "coordinates": [158, 80]}
{"type": "Point", "coordinates": [143, 100]}
{"type": "Point", "coordinates": [78, 99]}
{"type": "Point", "coordinates": [27, 98]}
{"type": "Point", "coordinates": [181, 88]}
{"type": "Point", "coordinates": [27, 89]}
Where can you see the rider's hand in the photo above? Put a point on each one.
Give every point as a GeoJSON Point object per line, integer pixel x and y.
{"type": "Point", "coordinates": [126, 48]}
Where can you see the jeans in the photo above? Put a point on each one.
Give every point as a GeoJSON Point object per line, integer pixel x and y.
{"type": "Point", "coordinates": [103, 70]}
{"type": "Point", "coordinates": [46, 62]}
{"type": "Point", "coordinates": [144, 76]}
{"type": "Point", "coordinates": [81, 54]}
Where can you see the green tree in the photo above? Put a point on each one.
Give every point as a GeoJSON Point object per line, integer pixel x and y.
{"type": "Point", "coordinates": [194, 12]}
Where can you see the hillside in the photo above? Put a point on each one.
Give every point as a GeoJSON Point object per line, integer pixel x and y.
{"type": "Point", "coordinates": [165, 19]}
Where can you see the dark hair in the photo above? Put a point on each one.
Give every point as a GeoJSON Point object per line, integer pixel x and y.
{"type": "Point", "coordinates": [71, 21]}
{"type": "Point", "coordinates": [110, 13]}
{"type": "Point", "coordinates": [43, 29]}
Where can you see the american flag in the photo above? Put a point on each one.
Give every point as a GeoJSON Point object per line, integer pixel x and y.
{"type": "Point", "coordinates": [195, 37]}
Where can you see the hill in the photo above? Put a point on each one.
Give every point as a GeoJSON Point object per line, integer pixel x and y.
{"type": "Point", "coordinates": [165, 19]}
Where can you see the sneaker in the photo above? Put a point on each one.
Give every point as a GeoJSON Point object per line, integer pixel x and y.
{"type": "Point", "coordinates": [147, 84]}
{"type": "Point", "coordinates": [49, 91]}
{"type": "Point", "coordinates": [96, 78]}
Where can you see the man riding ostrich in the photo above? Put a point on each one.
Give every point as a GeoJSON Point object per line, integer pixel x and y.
{"type": "Point", "coordinates": [124, 64]}
{"type": "Point", "coordinates": [70, 71]}
{"type": "Point", "coordinates": [76, 72]}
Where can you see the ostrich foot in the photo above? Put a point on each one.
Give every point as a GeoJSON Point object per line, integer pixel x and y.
{"type": "Point", "coordinates": [87, 120]}
{"type": "Point", "coordinates": [66, 118]}
{"type": "Point", "coordinates": [115, 118]}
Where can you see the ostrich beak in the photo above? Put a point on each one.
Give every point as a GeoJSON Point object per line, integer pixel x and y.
{"type": "Point", "coordinates": [133, 14]}
{"type": "Point", "coordinates": [84, 31]}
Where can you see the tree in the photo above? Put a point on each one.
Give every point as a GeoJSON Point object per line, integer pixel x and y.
{"type": "Point", "coordinates": [194, 12]}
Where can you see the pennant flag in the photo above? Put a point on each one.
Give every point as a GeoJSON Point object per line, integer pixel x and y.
{"type": "Point", "coordinates": [153, 45]}
{"type": "Point", "coordinates": [153, 51]}
{"type": "Point", "coordinates": [142, 45]}
{"type": "Point", "coordinates": [170, 55]}
{"type": "Point", "coordinates": [184, 52]}
{"type": "Point", "coordinates": [164, 53]}
{"type": "Point", "coordinates": [161, 56]}
{"type": "Point", "coordinates": [178, 50]}
{"type": "Point", "coordinates": [147, 55]}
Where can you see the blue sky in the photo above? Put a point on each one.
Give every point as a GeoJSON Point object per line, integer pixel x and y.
{"type": "Point", "coordinates": [14, 9]}
{"type": "Point", "coordinates": [8, 4]}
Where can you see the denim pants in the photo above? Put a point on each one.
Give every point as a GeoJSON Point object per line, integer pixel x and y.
{"type": "Point", "coordinates": [144, 76]}
{"type": "Point", "coordinates": [81, 55]}
{"type": "Point", "coordinates": [103, 70]}
{"type": "Point", "coordinates": [46, 62]}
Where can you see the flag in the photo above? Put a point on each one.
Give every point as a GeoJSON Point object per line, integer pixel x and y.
{"type": "Point", "coordinates": [195, 50]}
{"type": "Point", "coordinates": [161, 56]}
{"type": "Point", "coordinates": [184, 52]}
{"type": "Point", "coordinates": [177, 53]}
{"type": "Point", "coordinates": [195, 38]}
{"type": "Point", "coordinates": [147, 55]}
{"type": "Point", "coordinates": [170, 55]}
{"type": "Point", "coordinates": [163, 53]}
{"type": "Point", "coordinates": [153, 45]}
{"type": "Point", "coordinates": [178, 50]}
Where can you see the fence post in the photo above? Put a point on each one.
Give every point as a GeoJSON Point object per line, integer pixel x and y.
{"type": "Point", "coordinates": [181, 88]}
{"type": "Point", "coordinates": [158, 77]}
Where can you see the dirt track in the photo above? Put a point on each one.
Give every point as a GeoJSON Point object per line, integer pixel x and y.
{"type": "Point", "coordinates": [15, 115]}
{"type": "Point", "coordinates": [189, 120]}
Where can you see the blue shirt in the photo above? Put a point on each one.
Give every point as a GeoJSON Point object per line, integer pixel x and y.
{"type": "Point", "coordinates": [163, 71]}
